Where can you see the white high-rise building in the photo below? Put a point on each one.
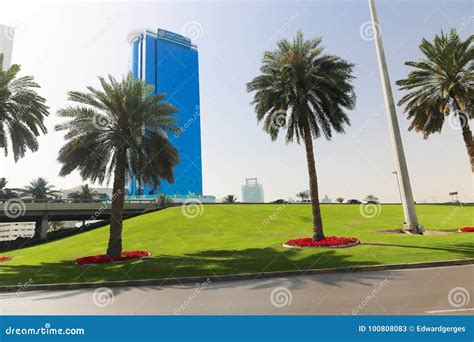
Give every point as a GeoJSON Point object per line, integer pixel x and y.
{"type": "Point", "coordinates": [252, 192]}
{"type": "Point", "coordinates": [7, 34]}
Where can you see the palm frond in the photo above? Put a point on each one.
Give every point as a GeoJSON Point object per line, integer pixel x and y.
{"type": "Point", "coordinates": [22, 112]}
{"type": "Point", "coordinates": [302, 85]}
{"type": "Point", "coordinates": [440, 82]}
{"type": "Point", "coordinates": [121, 116]}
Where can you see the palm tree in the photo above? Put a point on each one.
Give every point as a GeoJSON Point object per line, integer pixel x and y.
{"type": "Point", "coordinates": [441, 85]}
{"type": "Point", "coordinates": [371, 198]}
{"type": "Point", "coordinates": [22, 112]}
{"type": "Point", "coordinates": [6, 193]}
{"type": "Point", "coordinates": [40, 189]}
{"type": "Point", "coordinates": [302, 195]}
{"type": "Point", "coordinates": [230, 199]}
{"type": "Point", "coordinates": [163, 200]}
{"type": "Point", "coordinates": [85, 193]}
{"type": "Point", "coordinates": [54, 226]}
{"type": "Point", "coordinates": [339, 200]}
{"type": "Point", "coordinates": [304, 92]}
{"type": "Point", "coordinates": [106, 135]}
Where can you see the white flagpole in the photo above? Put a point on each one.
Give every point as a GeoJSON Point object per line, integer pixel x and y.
{"type": "Point", "coordinates": [411, 220]}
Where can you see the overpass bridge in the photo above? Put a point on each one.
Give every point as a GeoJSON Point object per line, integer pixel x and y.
{"type": "Point", "coordinates": [41, 212]}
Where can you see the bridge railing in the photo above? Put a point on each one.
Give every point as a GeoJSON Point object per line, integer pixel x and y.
{"type": "Point", "coordinates": [33, 211]}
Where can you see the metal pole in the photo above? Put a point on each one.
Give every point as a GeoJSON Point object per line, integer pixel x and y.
{"type": "Point", "coordinates": [411, 221]}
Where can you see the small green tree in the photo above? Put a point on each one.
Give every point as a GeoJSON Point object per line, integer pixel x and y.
{"type": "Point", "coordinates": [230, 199]}
{"type": "Point", "coordinates": [85, 193]}
{"type": "Point", "coordinates": [339, 199]}
{"type": "Point", "coordinates": [163, 201]}
{"type": "Point", "coordinates": [54, 226]}
{"type": "Point", "coordinates": [6, 193]}
{"type": "Point", "coordinates": [371, 198]}
{"type": "Point", "coordinates": [302, 195]}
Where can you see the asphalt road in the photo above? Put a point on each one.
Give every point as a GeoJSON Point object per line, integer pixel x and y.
{"type": "Point", "coordinates": [430, 291]}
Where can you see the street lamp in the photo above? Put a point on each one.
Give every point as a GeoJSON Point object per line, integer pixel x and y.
{"type": "Point", "coordinates": [411, 221]}
{"type": "Point", "coordinates": [398, 183]}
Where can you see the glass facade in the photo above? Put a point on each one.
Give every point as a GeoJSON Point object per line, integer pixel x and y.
{"type": "Point", "coordinates": [252, 191]}
{"type": "Point", "coordinates": [170, 62]}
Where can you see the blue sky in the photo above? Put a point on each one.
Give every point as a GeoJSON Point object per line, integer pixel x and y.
{"type": "Point", "coordinates": [65, 46]}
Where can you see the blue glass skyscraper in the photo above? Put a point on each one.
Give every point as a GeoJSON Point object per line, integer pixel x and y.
{"type": "Point", "coordinates": [169, 61]}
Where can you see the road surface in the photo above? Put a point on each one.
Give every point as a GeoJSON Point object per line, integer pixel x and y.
{"type": "Point", "coordinates": [429, 291]}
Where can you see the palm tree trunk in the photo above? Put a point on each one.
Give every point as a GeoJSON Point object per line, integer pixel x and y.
{"type": "Point", "coordinates": [318, 233]}
{"type": "Point", "coordinates": [466, 130]}
{"type": "Point", "coordinates": [116, 212]}
{"type": "Point", "coordinates": [467, 136]}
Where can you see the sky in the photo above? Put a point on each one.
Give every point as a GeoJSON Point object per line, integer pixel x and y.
{"type": "Point", "coordinates": [65, 46]}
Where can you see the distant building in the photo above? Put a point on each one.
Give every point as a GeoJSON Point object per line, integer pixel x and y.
{"type": "Point", "coordinates": [252, 192]}
{"type": "Point", "coordinates": [326, 199]}
{"type": "Point", "coordinates": [10, 231]}
{"type": "Point", "coordinates": [6, 44]}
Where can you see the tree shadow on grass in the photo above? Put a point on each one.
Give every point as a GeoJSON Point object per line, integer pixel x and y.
{"type": "Point", "coordinates": [203, 263]}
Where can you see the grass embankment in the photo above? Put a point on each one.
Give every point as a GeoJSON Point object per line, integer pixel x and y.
{"type": "Point", "coordinates": [232, 239]}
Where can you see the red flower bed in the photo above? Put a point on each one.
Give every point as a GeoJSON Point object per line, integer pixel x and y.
{"type": "Point", "coordinates": [467, 230]}
{"type": "Point", "coordinates": [4, 258]}
{"type": "Point", "coordinates": [100, 259]}
{"type": "Point", "coordinates": [328, 241]}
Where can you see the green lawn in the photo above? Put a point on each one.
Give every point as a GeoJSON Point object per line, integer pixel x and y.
{"type": "Point", "coordinates": [231, 239]}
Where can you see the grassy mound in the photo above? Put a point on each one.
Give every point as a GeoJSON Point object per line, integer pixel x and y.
{"type": "Point", "coordinates": [232, 239]}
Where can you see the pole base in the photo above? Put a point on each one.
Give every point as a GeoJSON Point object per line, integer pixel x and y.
{"type": "Point", "coordinates": [410, 228]}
